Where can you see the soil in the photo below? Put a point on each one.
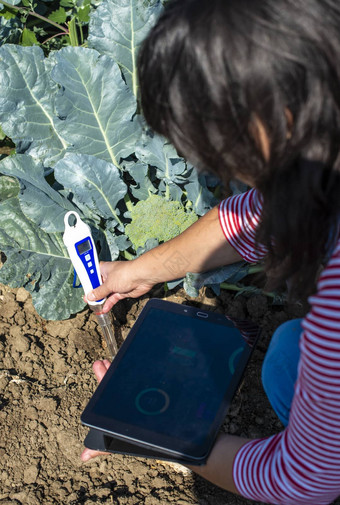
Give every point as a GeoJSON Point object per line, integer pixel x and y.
{"type": "Point", "coordinates": [46, 380]}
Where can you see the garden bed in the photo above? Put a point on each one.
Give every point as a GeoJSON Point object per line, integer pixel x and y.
{"type": "Point", "coordinates": [46, 381]}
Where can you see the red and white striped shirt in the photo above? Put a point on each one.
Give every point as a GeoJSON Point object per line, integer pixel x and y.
{"type": "Point", "coordinates": [300, 465]}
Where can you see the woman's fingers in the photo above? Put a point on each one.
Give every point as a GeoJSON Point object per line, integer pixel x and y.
{"type": "Point", "coordinates": [88, 454]}
{"type": "Point", "coordinates": [100, 368]}
{"type": "Point", "coordinates": [111, 301]}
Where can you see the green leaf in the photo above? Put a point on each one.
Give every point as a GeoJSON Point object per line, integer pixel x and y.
{"type": "Point", "coordinates": [94, 105]}
{"type": "Point", "coordinates": [157, 151]}
{"type": "Point", "coordinates": [26, 103]}
{"type": "Point", "coordinates": [83, 14]}
{"type": "Point", "coordinates": [197, 192]}
{"type": "Point", "coordinates": [28, 38]}
{"type": "Point", "coordinates": [10, 29]}
{"type": "Point", "coordinates": [9, 187]}
{"type": "Point", "coordinates": [67, 3]}
{"type": "Point", "coordinates": [58, 16]}
{"type": "Point", "coordinates": [118, 27]}
{"type": "Point", "coordinates": [38, 200]}
{"type": "Point", "coordinates": [140, 173]}
{"type": "Point", "coordinates": [7, 13]}
{"type": "Point", "coordinates": [232, 274]}
{"type": "Point", "coordinates": [13, 2]}
{"type": "Point", "coordinates": [112, 244]}
{"type": "Point", "coordinates": [2, 134]}
{"type": "Point", "coordinates": [97, 185]}
{"type": "Point", "coordinates": [39, 262]}
{"type": "Point", "coordinates": [171, 169]}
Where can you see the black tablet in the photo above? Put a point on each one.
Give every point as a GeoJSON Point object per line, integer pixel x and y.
{"type": "Point", "coordinates": [101, 441]}
{"type": "Point", "coordinates": [169, 386]}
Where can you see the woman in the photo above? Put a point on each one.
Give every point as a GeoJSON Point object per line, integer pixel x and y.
{"type": "Point", "coordinates": [251, 89]}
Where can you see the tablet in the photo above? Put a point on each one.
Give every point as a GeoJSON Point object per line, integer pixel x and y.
{"type": "Point", "coordinates": [169, 386]}
{"type": "Point", "coordinates": [101, 441]}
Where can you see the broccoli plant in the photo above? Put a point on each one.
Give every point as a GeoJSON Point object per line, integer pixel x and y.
{"type": "Point", "coordinates": [81, 145]}
{"type": "Point", "coordinates": [157, 217]}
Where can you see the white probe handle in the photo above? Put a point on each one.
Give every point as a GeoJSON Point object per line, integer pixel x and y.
{"type": "Point", "coordinates": [82, 251]}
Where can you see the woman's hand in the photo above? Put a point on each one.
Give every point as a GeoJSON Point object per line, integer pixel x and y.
{"type": "Point", "coordinates": [100, 368]}
{"type": "Point", "coordinates": [199, 248]}
{"type": "Point", "coordinates": [121, 279]}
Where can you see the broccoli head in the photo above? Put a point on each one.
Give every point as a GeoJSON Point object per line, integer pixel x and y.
{"type": "Point", "coordinates": [157, 218]}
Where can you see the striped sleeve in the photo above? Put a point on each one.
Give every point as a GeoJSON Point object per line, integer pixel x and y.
{"type": "Point", "coordinates": [239, 217]}
{"type": "Point", "coordinates": [301, 465]}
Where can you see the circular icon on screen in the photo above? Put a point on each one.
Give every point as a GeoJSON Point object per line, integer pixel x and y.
{"type": "Point", "coordinates": [152, 401]}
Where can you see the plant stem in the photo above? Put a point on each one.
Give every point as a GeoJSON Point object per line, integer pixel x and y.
{"type": "Point", "coordinates": [255, 269]}
{"type": "Point", "coordinates": [35, 14]}
{"type": "Point", "coordinates": [127, 201]}
{"type": "Point", "coordinates": [231, 287]}
{"type": "Point", "coordinates": [81, 33]}
{"type": "Point", "coordinates": [72, 27]}
{"type": "Point", "coordinates": [53, 37]}
{"type": "Point", "coordinates": [167, 189]}
{"type": "Point", "coordinates": [235, 287]}
{"type": "Point", "coordinates": [127, 255]}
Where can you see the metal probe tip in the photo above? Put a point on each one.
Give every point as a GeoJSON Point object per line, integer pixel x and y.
{"type": "Point", "coordinates": [105, 322]}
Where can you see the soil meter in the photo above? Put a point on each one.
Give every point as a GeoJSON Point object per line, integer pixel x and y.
{"type": "Point", "coordinates": [82, 251]}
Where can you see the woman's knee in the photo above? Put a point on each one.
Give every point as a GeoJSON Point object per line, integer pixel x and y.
{"type": "Point", "coordinates": [279, 371]}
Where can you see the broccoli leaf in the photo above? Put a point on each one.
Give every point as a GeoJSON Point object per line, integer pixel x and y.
{"type": "Point", "coordinates": [38, 200]}
{"type": "Point", "coordinates": [39, 262]}
{"type": "Point", "coordinates": [94, 105]}
{"type": "Point", "coordinates": [118, 27]}
{"type": "Point", "coordinates": [174, 173]}
{"type": "Point", "coordinates": [9, 187]}
{"type": "Point", "coordinates": [197, 192]}
{"type": "Point", "coordinates": [26, 103]}
{"type": "Point", "coordinates": [155, 150]}
{"type": "Point", "coordinates": [10, 30]}
{"type": "Point", "coordinates": [141, 174]}
{"type": "Point", "coordinates": [193, 282]}
{"type": "Point", "coordinates": [97, 185]}
{"type": "Point", "coordinates": [171, 169]}
{"type": "Point", "coordinates": [114, 244]}
{"type": "Point", "coordinates": [75, 114]}
{"type": "Point", "coordinates": [151, 243]}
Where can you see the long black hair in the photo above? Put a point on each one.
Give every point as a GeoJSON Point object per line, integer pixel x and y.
{"type": "Point", "coordinates": [211, 71]}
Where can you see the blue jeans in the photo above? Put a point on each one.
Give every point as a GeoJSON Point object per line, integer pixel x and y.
{"type": "Point", "coordinates": [279, 371]}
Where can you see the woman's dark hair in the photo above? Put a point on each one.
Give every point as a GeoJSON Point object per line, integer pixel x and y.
{"type": "Point", "coordinates": [212, 71]}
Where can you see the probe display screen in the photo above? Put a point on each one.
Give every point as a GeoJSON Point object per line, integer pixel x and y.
{"type": "Point", "coordinates": [83, 247]}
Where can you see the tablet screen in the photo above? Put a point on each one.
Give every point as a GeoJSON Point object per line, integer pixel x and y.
{"type": "Point", "coordinates": [172, 378]}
